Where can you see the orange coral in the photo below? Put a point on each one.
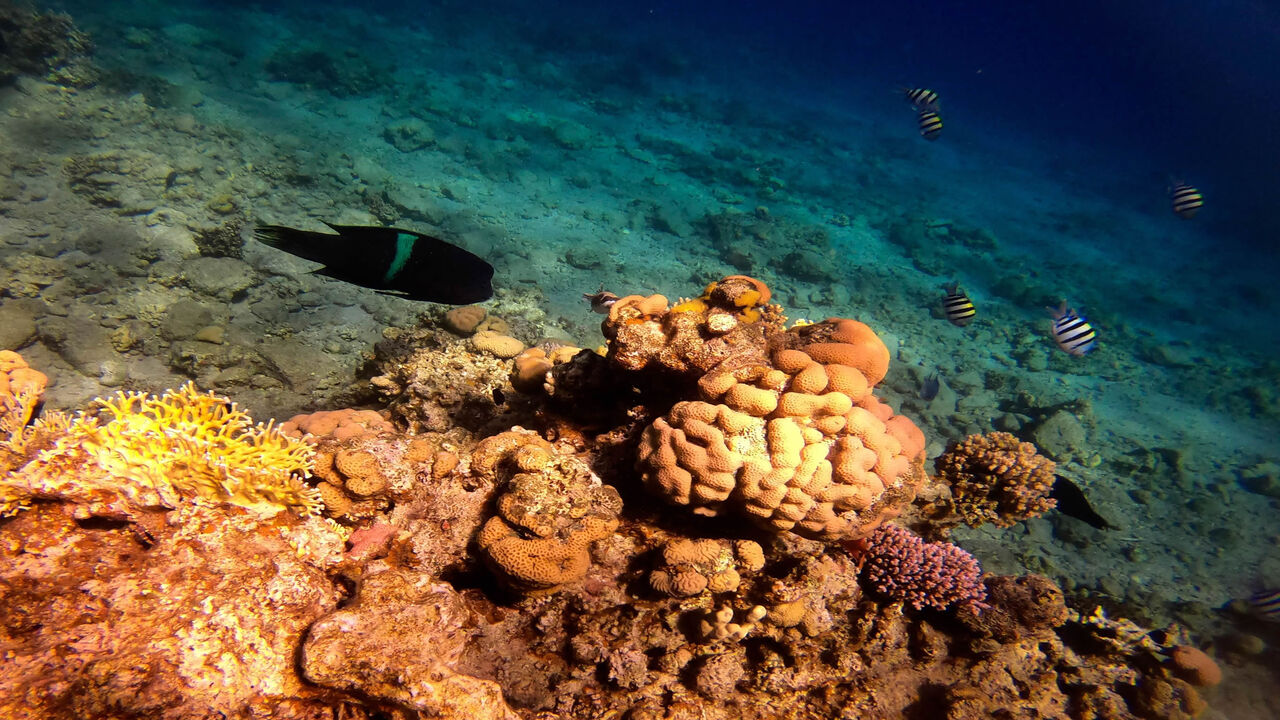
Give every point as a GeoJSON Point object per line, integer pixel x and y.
{"type": "Point", "coordinates": [341, 424]}
{"type": "Point", "coordinates": [791, 438]}
{"type": "Point", "coordinates": [549, 512]}
{"type": "Point", "coordinates": [688, 566]}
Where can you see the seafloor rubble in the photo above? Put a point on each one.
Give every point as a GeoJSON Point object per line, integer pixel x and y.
{"type": "Point", "coordinates": [705, 519]}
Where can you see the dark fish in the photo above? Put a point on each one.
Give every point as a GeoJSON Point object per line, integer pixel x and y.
{"type": "Point", "coordinates": [930, 387]}
{"type": "Point", "coordinates": [1266, 604]}
{"type": "Point", "coordinates": [1071, 331]}
{"type": "Point", "coordinates": [389, 260]}
{"type": "Point", "coordinates": [957, 306]}
{"type": "Point", "coordinates": [1072, 501]}
{"type": "Point", "coordinates": [930, 125]}
{"type": "Point", "coordinates": [601, 300]}
{"type": "Point", "coordinates": [922, 98]}
{"type": "Point", "coordinates": [1187, 200]}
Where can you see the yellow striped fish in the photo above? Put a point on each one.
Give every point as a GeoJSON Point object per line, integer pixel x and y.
{"type": "Point", "coordinates": [1187, 200]}
{"type": "Point", "coordinates": [1266, 604]}
{"type": "Point", "coordinates": [930, 125]}
{"type": "Point", "coordinates": [1072, 332]}
{"type": "Point", "coordinates": [922, 98]}
{"type": "Point", "coordinates": [957, 306]}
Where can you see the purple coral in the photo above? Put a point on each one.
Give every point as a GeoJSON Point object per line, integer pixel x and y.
{"type": "Point", "coordinates": [900, 564]}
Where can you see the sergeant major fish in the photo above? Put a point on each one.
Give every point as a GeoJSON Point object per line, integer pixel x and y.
{"type": "Point", "coordinates": [957, 306]}
{"type": "Point", "coordinates": [1071, 331]}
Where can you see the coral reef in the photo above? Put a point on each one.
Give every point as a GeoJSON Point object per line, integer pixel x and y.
{"type": "Point", "coordinates": [901, 565]}
{"type": "Point", "coordinates": [197, 612]}
{"type": "Point", "coordinates": [996, 478]}
{"type": "Point", "coordinates": [787, 431]}
{"type": "Point", "coordinates": [156, 451]}
{"type": "Point", "coordinates": [551, 508]}
{"type": "Point", "coordinates": [45, 44]}
{"type": "Point", "coordinates": [364, 648]}
{"type": "Point", "coordinates": [532, 590]}
{"type": "Point", "coordinates": [688, 567]}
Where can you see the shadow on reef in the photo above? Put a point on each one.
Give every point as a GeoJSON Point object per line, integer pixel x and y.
{"type": "Point", "coordinates": [714, 517]}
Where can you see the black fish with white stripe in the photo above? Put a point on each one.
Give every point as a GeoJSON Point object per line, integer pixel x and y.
{"type": "Point", "coordinates": [958, 307]}
{"type": "Point", "coordinates": [390, 260]}
{"type": "Point", "coordinates": [1071, 331]}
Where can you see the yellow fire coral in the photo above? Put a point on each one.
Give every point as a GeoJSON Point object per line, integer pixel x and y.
{"type": "Point", "coordinates": [158, 451]}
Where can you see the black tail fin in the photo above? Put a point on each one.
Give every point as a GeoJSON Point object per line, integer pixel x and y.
{"type": "Point", "coordinates": [323, 248]}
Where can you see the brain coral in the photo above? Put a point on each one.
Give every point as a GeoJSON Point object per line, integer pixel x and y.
{"type": "Point", "coordinates": [786, 431]}
{"type": "Point", "coordinates": [996, 478]}
{"type": "Point", "coordinates": [550, 510]}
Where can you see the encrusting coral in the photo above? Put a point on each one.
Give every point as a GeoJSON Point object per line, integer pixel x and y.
{"type": "Point", "coordinates": [688, 567]}
{"type": "Point", "coordinates": [158, 451]}
{"type": "Point", "coordinates": [550, 509]}
{"type": "Point", "coordinates": [997, 478]}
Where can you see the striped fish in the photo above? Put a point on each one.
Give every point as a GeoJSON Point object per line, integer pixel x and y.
{"type": "Point", "coordinates": [1187, 200]}
{"type": "Point", "coordinates": [921, 98]}
{"type": "Point", "coordinates": [1071, 331]}
{"type": "Point", "coordinates": [930, 125]}
{"type": "Point", "coordinates": [1266, 604]}
{"type": "Point", "coordinates": [957, 306]}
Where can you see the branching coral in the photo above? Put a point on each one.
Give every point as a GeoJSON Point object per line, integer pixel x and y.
{"type": "Point", "coordinates": [158, 451]}
{"type": "Point", "coordinates": [996, 478]}
{"type": "Point", "coordinates": [902, 566]}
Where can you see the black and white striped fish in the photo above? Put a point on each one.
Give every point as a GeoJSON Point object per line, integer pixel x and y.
{"type": "Point", "coordinates": [1071, 331]}
{"type": "Point", "coordinates": [1266, 604]}
{"type": "Point", "coordinates": [930, 125]}
{"type": "Point", "coordinates": [957, 306]}
{"type": "Point", "coordinates": [1186, 200]}
{"type": "Point", "coordinates": [921, 98]}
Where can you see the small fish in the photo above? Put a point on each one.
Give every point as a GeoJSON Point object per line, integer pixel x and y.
{"type": "Point", "coordinates": [1266, 604]}
{"type": "Point", "coordinates": [389, 260]}
{"type": "Point", "coordinates": [1072, 501]}
{"type": "Point", "coordinates": [957, 306]}
{"type": "Point", "coordinates": [1071, 331]}
{"type": "Point", "coordinates": [930, 125]}
{"type": "Point", "coordinates": [930, 387]}
{"type": "Point", "coordinates": [921, 98]}
{"type": "Point", "coordinates": [1187, 200]}
{"type": "Point", "coordinates": [601, 300]}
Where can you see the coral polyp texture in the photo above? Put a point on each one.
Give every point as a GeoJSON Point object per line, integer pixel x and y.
{"type": "Point", "coordinates": [551, 507]}
{"type": "Point", "coordinates": [996, 478]}
{"type": "Point", "coordinates": [160, 451]}
{"type": "Point", "coordinates": [786, 430]}
{"type": "Point", "coordinates": [903, 566]}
